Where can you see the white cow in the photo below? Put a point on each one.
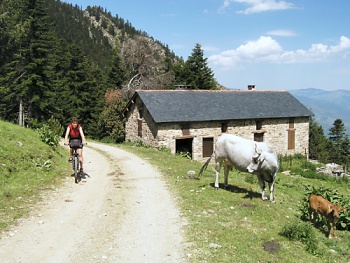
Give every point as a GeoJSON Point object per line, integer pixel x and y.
{"type": "Point", "coordinates": [246, 156]}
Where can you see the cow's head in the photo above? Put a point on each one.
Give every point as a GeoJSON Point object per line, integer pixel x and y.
{"type": "Point", "coordinates": [257, 159]}
{"type": "Point", "coordinates": [336, 209]}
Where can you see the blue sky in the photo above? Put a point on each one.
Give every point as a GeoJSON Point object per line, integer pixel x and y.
{"type": "Point", "coordinates": [276, 45]}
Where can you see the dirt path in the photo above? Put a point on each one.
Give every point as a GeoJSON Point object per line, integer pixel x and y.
{"type": "Point", "coordinates": [121, 213]}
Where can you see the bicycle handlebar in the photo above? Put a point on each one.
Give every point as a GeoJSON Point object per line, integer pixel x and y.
{"type": "Point", "coordinates": [82, 144]}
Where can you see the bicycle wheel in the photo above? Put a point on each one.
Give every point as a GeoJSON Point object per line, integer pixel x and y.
{"type": "Point", "coordinates": [76, 168]}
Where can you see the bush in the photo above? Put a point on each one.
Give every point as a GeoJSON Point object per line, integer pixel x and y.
{"type": "Point", "coordinates": [296, 163]}
{"type": "Point", "coordinates": [331, 195]}
{"type": "Point", "coordinates": [55, 126]}
{"type": "Point", "coordinates": [140, 143]}
{"type": "Point", "coordinates": [48, 136]}
{"type": "Point", "coordinates": [288, 161]}
{"type": "Point", "coordinates": [303, 232]}
{"type": "Point", "coordinates": [186, 155]}
{"type": "Point", "coordinates": [164, 149]}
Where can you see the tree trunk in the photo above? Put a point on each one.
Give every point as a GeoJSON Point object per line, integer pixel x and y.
{"type": "Point", "coordinates": [20, 114]}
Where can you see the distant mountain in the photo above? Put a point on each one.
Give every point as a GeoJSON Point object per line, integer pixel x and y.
{"type": "Point", "coordinates": [326, 105]}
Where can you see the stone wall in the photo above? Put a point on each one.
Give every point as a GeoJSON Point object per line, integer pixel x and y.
{"type": "Point", "coordinates": [137, 112]}
{"type": "Point", "coordinates": [275, 132]}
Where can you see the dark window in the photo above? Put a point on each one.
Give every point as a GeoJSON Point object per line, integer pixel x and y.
{"type": "Point", "coordinates": [185, 129]}
{"type": "Point", "coordinates": [291, 123]}
{"type": "Point", "coordinates": [139, 128]}
{"type": "Point", "coordinates": [224, 127]}
{"type": "Point", "coordinates": [184, 146]}
{"type": "Point", "coordinates": [259, 137]}
{"type": "Point", "coordinates": [258, 125]}
{"type": "Point", "coordinates": [208, 147]}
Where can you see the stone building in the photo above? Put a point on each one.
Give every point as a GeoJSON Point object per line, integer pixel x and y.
{"type": "Point", "coordinates": [191, 120]}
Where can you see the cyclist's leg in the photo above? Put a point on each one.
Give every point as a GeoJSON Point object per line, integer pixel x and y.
{"type": "Point", "coordinates": [70, 154]}
{"type": "Point", "coordinates": [80, 153]}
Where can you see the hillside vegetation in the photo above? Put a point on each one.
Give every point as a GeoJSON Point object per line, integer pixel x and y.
{"type": "Point", "coordinates": [27, 167]}
{"type": "Point", "coordinates": [58, 61]}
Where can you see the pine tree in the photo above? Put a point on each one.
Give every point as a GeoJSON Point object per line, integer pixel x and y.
{"type": "Point", "coordinates": [6, 29]}
{"type": "Point", "coordinates": [11, 30]}
{"type": "Point", "coordinates": [85, 87]}
{"type": "Point", "coordinates": [25, 78]}
{"type": "Point", "coordinates": [318, 142]}
{"type": "Point", "coordinates": [340, 141]}
{"type": "Point", "coordinates": [117, 74]}
{"type": "Point", "coordinates": [197, 72]}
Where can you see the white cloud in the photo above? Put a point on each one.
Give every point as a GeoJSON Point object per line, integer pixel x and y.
{"type": "Point", "coordinates": [260, 49]}
{"type": "Point", "coordinates": [282, 33]}
{"type": "Point", "coordinates": [268, 49]}
{"type": "Point", "coordinates": [344, 45]}
{"type": "Point", "coordinates": [224, 6]}
{"type": "Point", "coordinates": [257, 6]}
{"type": "Point", "coordinates": [317, 52]}
{"type": "Point", "coordinates": [265, 48]}
{"type": "Point", "coordinates": [210, 48]}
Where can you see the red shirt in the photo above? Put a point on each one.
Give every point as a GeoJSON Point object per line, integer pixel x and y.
{"type": "Point", "coordinates": [74, 133]}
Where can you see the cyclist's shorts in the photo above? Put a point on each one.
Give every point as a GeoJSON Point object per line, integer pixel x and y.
{"type": "Point", "coordinates": [76, 143]}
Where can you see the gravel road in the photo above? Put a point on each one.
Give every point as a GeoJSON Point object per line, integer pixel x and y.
{"type": "Point", "coordinates": [121, 212]}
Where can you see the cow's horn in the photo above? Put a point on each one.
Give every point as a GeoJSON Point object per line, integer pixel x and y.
{"type": "Point", "coordinates": [256, 149]}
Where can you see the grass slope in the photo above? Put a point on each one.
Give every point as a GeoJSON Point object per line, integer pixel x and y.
{"type": "Point", "coordinates": [232, 225]}
{"type": "Point", "coordinates": [27, 167]}
{"type": "Point", "coordinates": [235, 225]}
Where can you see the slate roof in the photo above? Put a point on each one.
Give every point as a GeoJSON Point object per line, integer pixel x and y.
{"type": "Point", "coordinates": [194, 106]}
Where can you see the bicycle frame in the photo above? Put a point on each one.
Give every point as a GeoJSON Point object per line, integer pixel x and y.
{"type": "Point", "coordinates": [75, 164]}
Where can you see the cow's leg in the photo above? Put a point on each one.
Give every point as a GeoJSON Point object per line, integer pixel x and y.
{"type": "Point", "coordinates": [217, 172]}
{"type": "Point", "coordinates": [329, 228]}
{"type": "Point", "coordinates": [226, 171]}
{"type": "Point", "coordinates": [271, 188]}
{"type": "Point", "coordinates": [310, 214]}
{"type": "Point", "coordinates": [334, 230]}
{"type": "Point", "coordinates": [262, 185]}
{"type": "Point", "coordinates": [314, 217]}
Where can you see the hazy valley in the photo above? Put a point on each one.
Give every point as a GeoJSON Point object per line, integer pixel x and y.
{"type": "Point", "coordinates": [326, 105]}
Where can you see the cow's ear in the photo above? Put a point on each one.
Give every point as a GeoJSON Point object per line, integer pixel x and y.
{"type": "Point", "coordinates": [331, 208]}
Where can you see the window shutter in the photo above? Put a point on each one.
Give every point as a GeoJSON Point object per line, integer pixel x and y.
{"type": "Point", "coordinates": [208, 147]}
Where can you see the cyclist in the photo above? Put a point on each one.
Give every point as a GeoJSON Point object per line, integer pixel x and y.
{"type": "Point", "coordinates": [75, 132]}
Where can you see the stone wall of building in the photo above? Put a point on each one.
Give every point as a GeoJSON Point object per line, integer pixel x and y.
{"type": "Point", "coordinates": [138, 113]}
{"type": "Point", "coordinates": [275, 132]}
{"type": "Point", "coordinates": [132, 116]}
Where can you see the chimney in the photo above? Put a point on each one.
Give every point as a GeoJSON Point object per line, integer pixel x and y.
{"type": "Point", "coordinates": [251, 87]}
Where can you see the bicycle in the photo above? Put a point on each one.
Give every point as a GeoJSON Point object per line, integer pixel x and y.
{"type": "Point", "coordinates": [75, 164]}
{"type": "Point", "coordinates": [75, 145]}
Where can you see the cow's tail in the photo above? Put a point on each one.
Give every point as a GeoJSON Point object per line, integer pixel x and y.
{"type": "Point", "coordinates": [205, 165]}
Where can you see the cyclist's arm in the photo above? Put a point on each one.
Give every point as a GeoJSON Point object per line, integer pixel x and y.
{"type": "Point", "coordinates": [82, 135]}
{"type": "Point", "coordinates": [66, 137]}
